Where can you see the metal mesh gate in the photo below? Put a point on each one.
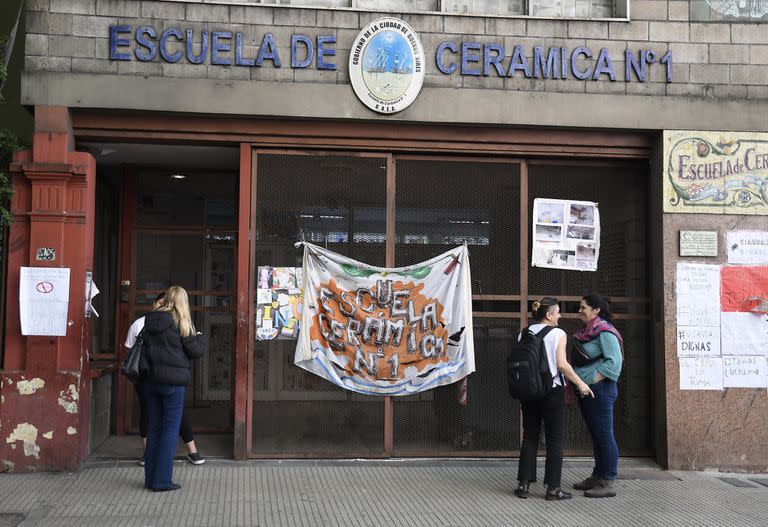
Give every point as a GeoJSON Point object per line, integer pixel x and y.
{"type": "Point", "coordinates": [340, 201]}
{"type": "Point", "coordinates": [440, 204]}
{"type": "Point", "coordinates": [622, 195]}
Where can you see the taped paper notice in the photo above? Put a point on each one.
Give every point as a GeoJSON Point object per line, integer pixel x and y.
{"type": "Point", "coordinates": [44, 301]}
{"type": "Point", "coordinates": [747, 247]}
{"type": "Point", "coordinates": [566, 234]}
{"type": "Point", "coordinates": [705, 373]}
{"type": "Point", "coordinates": [745, 372]}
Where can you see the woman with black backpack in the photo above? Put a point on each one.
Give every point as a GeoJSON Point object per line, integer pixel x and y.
{"type": "Point", "coordinates": [550, 408]}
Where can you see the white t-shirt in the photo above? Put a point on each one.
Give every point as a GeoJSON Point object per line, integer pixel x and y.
{"type": "Point", "coordinates": [133, 332]}
{"type": "Point", "coordinates": [550, 343]}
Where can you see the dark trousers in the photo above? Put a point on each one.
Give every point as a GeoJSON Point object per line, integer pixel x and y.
{"type": "Point", "coordinates": [598, 414]}
{"type": "Point", "coordinates": [185, 429]}
{"type": "Point", "coordinates": [551, 410]}
{"type": "Point", "coordinates": [165, 404]}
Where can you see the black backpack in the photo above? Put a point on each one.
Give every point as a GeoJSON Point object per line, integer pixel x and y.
{"type": "Point", "coordinates": [528, 371]}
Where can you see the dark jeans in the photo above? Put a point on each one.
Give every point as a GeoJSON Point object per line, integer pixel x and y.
{"type": "Point", "coordinates": [185, 430]}
{"type": "Point", "coordinates": [598, 414]}
{"type": "Point", "coordinates": [165, 404]}
{"type": "Point", "coordinates": [550, 409]}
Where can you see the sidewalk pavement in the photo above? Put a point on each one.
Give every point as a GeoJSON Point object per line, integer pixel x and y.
{"type": "Point", "coordinates": [365, 493]}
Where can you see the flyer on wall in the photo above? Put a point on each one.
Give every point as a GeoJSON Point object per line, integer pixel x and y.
{"type": "Point", "coordinates": [566, 234]}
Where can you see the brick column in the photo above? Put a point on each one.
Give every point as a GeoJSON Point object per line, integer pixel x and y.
{"type": "Point", "coordinates": [45, 384]}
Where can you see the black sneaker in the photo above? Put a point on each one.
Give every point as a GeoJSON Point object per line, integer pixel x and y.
{"type": "Point", "coordinates": [522, 489]}
{"type": "Point", "coordinates": [195, 458]}
{"type": "Point", "coordinates": [557, 494]}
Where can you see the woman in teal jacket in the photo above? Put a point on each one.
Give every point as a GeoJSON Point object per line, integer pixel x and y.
{"type": "Point", "coordinates": [603, 345]}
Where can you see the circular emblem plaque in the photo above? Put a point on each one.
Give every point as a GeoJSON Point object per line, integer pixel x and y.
{"type": "Point", "coordinates": [386, 65]}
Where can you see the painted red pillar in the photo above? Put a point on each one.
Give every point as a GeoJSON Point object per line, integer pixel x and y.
{"type": "Point", "coordinates": [44, 383]}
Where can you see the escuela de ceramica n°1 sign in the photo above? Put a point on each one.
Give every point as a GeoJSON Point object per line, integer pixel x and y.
{"type": "Point", "coordinates": [715, 172]}
{"type": "Point", "coordinates": [387, 62]}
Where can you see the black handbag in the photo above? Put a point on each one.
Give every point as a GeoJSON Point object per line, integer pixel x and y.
{"type": "Point", "coordinates": [131, 364]}
{"type": "Point", "coordinates": [579, 355]}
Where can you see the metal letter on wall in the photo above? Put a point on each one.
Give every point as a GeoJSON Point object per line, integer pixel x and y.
{"type": "Point", "coordinates": [715, 172]}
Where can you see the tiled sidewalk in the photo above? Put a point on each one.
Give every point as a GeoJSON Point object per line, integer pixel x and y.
{"type": "Point", "coordinates": [410, 493]}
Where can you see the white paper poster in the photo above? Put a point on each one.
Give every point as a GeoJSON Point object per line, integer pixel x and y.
{"type": "Point", "coordinates": [744, 334]}
{"type": "Point", "coordinates": [698, 341]}
{"type": "Point", "coordinates": [702, 373]}
{"type": "Point", "coordinates": [44, 300]}
{"type": "Point", "coordinates": [698, 295]}
{"type": "Point", "coordinates": [90, 292]}
{"type": "Point", "coordinates": [747, 247]}
{"type": "Point", "coordinates": [566, 234]}
{"type": "Point", "coordinates": [745, 372]}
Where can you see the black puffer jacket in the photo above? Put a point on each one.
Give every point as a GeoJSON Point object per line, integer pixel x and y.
{"type": "Point", "coordinates": [166, 354]}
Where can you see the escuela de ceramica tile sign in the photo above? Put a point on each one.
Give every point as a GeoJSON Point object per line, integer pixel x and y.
{"type": "Point", "coordinates": [715, 172]}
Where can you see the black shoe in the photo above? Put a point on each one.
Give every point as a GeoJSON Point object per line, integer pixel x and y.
{"type": "Point", "coordinates": [557, 494]}
{"type": "Point", "coordinates": [174, 486]}
{"type": "Point", "coordinates": [522, 489]}
{"type": "Point", "coordinates": [195, 458]}
{"type": "Point", "coordinates": [587, 484]}
{"type": "Point", "coordinates": [603, 488]}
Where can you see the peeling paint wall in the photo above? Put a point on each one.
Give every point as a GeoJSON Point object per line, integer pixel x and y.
{"type": "Point", "coordinates": [26, 387]}
{"type": "Point", "coordinates": [27, 434]}
{"type": "Point", "coordinates": [39, 422]}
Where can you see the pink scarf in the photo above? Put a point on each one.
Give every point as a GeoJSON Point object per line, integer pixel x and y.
{"type": "Point", "coordinates": [596, 326]}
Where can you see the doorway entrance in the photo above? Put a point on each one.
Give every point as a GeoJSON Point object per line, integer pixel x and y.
{"type": "Point", "coordinates": [176, 210]}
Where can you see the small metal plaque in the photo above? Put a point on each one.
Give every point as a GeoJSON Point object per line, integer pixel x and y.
{"type": "Point", "coordinates": [698, 243]}
{"type": "Point", "coordinates": [46, 254]}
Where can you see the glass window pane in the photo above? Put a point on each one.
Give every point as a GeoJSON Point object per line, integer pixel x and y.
{"type": "Point", "coordinates": [196, 200]}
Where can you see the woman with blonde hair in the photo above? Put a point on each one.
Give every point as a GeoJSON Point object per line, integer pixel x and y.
{"type": "Point", "coordinates": [170, 342]}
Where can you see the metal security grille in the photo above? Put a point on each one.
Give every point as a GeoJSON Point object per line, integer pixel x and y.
{"type": "Point", "coordinates": [621, 193]}
{"type": "Point", "coordinates": [441, 204]}
{"type": "Point", "coordinates": [410, 208]}
{"type": "Point", "coordinates": [339, 202]}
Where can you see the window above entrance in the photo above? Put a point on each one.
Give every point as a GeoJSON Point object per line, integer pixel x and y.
{"type": "Point", "coordinates": [580, 9]}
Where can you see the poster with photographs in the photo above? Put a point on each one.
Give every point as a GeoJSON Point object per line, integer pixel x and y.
{"type": "Point", "coordinates": [278, 302]}
{"type": "Point", "coordinates": [566, 234]}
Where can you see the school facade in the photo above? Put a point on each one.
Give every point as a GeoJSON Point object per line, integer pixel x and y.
{"type": "Point", "coordinates": [192, 143]}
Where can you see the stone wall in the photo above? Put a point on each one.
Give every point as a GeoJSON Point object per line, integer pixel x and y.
{"type": "Point", "coordinates": [710, 60]}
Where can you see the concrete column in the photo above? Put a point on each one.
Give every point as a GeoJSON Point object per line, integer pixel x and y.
{"type": "Point", "coordinates": [44, 383]}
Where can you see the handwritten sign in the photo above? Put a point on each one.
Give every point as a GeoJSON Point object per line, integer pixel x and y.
{"type": "Point", "coordinates": [44, 301]}
{"type": "Point", "coordinates": [703, 373]}
{"type": "Point", "coordinates": [698, 243]}
{"type": "Point", "coordinates": [698, 295]}
{"type": "Point", "coordinates": [698, 341]}
{"type": "Point", "coordinates": [745, 372]}
{"type": "Point", "coordinates": [747, 247]}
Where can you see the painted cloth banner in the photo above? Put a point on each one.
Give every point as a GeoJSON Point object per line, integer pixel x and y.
{"type": "Point", "coordinates": [384, 331]}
